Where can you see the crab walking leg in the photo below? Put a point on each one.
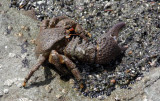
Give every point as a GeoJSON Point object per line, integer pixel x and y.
{"type": "Point", "coordinates": [51, 23]}
{"type": "Point", "coordinates": [55, 20]}
{"type": "Point", "coordinates": [55, 60]}
{"type": "Point", "coordinates": [41, 60]}
{"type": "Point", "coordinates": [65, 60]}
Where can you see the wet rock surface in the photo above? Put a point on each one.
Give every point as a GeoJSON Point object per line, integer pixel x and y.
{"type": "Point", "coordinates": [141, 34]}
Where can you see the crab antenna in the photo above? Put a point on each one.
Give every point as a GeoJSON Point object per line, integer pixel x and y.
{"type": "Point", "coordinates": [116, 28]}
{"type": "Point", "coordinates": [36, 67]}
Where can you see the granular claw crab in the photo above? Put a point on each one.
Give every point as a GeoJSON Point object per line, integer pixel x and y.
{"type": "Point", "coordinates": [52, 47]}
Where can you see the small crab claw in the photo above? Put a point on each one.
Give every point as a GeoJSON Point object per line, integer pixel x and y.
{"type": "Point", "coordinates": [115, 29]}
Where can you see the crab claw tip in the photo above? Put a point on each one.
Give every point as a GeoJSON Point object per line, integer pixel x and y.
{"type": "Point", "coordinates": [116, 28]}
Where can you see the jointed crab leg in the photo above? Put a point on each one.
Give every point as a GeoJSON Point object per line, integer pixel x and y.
{"type": "Point", "coordinates": [41, 59]}
{"type": "Point", "coordinates": [58, 59]}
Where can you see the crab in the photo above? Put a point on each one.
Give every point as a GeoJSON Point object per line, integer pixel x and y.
{"type": "Point", "coordinates": [53, 47]}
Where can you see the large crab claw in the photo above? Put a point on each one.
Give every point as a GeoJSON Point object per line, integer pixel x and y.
{"type": "Point", "coordinates": [107, 46]}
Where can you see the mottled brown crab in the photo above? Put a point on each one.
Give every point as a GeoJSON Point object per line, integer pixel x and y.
{"type": "Point", "coordinates": [53, 47]}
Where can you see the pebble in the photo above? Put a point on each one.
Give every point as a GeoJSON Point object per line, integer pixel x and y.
{"type": "Point", "coordinates": [58, 96]}
{"type": "Point", "coordinates": [6, 47]}
{"type": "Point", "coordinates": [5, 33]}
{"type": "Point", "coordinates": [139, 78]}
{"type": "Point", "coordinates": [71, 81]}
{"type": "Point", "coordinates": [48, 88]}
{"type": "Point", "coordinates": [63, 91]}
{"type": "Point", "coordinates": [113, 81]}
{"type": "Point", "coordinates": [11, 55]}
{"type": "Point", "coordinates": [23, 27]}
{"type": "Point", "coordinates": [10, 28]}
{"type": "Point", "coordinates": [19, 34]}
{"type": "Point", "coordinates": [143, 68]}
{"type": "Point", "coordinates": [19, 85]}
{"type": "Point", "coordinates": [33, 41]}
{"type": "Point", "coordinates": [100, 97]}
{"type": "Point", "coordinates": [8, 83]}
{"type": "Point", "coordinates": [6, 91]}
{"type": "Point", "coordinates": [24, 55]}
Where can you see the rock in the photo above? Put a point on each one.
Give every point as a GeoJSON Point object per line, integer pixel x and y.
{"type": "Point", "coordinates": [5, 33]}
{"type": "Point", "coordinates": [71, 81]}
{"type": "Point", "coordinates": [143, 68]}
{"type": "Point", "coordinates": [6, 47]}
{"type": "Point", "coordinates": [63, 91]}
{"type": "Point", "coordinates": [19, 85]}
{"type": "Point", "coordinates": [11, 55]}
{"type": "Point", "coordinates": [58, 96]}
{"type": "Point", "coordinates": [8, 83]}
{"type": "Point", "coordinates": [100, 97]}
{"type": "Point", "coordinates": [10, 27]}
{"type": "Point", "coordinates": [6, 91]}
{"type": "Point", "coordinates": [24, 55]}
{"type": "Point", "coordinates": [139, 78]}
{"type": "Point", "coordinates": [48, 88]}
